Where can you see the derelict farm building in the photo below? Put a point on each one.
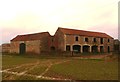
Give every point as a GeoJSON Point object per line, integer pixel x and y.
{"type": "Point", "coordinates": [31, 43]}
{"type": "Point", "coordinates": [63, 40]}
{"type": "Point", "coordinates": [82, 41]}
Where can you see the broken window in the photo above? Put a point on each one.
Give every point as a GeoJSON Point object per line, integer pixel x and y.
{"type": "Point", "coordinates": [86, 39]}
{"type": "Point", "coordinates": [108, 40]}
{"type": "Point", "coordinates": [76, 38]}
{"type": "Point", "coordinates": [108, 49]}
{"type": "Point", "coordinates": [101, 40]}
{"type": "Point", "coordinates": [94, 40]}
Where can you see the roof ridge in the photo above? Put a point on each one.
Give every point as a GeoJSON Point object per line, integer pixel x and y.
{"type": "Point", "coordinates": [80, 30]}
{"type": "Point", "coordinates": [33, 33]}
{"type": "Point", "coordinates": [84, 32]}
{"type": "Point", "coordinates": [35, 36]}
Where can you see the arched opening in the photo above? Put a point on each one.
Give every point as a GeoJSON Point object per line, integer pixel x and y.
{"type": "Point", "coordinates": [76, 48]}
{"type": "Point", "coordinates": [101, 49]}
{"type": "Point", "coordinates": [86, 48]}
{"type": "Point", "coordinates": [52, 48]}
{"type": "Point", "coordinates": [108, 49]}
{"type": "Point", "coordinates": [22, 48]}
{"type": "Point", "coordinates": [94, 48]}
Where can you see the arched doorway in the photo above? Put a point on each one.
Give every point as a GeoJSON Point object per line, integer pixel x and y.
{"type": "Point", "coordinates": [22, 48]}
{"type": "Point", "coordinates": [86, 48]}
{"type": "Point", "coordinates": [94, 48]}
{"type": "Point", "coordinates": [76, 48]}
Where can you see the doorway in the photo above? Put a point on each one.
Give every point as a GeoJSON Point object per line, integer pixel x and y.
{"type": "Point", "coordinates": [86, 48]}
{"type": "Point", "coordinates": [22, 48]}
{"type": "Point", "coordinates": [94, 49]}
{"type": "Point", "coordinates": [76, 48]}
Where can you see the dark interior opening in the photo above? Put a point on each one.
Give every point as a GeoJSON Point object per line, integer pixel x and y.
{"type": "Point", "coordinates": [86, 39]}
{"type": "Point", "coordinates": [86, 48]}
{"type": "Point", "coordinates": [101, 49]}
{"type": "Point", "coordinates": [108, 48]}
{"type": "Point", "coordinates": [76, 48]}
{"type": "Point", "coordinates": [22, 48]}
{"type": "Point", "coordinates": [101, 40]}
{"type": "Point", "coordinates": [94, 48]}
{"type": "Point", "coordinates": [76, 38]}
{"type": "Point", "coordinates": [67, 47]}
{"type": "Point", "coordinates": [52, 48]}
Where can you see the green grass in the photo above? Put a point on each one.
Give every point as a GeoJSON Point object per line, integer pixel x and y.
{"type": "Point", "coordinates": [12, 61]}
{"type": "Point", "coordinates": [85, 70]}
{"type": "Point", "coordinates": [78, 69]}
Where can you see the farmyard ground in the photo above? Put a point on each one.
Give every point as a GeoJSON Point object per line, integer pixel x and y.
{"type": "Point", "coordinates": [92, 67]}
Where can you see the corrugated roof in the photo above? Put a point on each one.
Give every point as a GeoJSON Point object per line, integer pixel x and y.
{"type": "Point", "coordinates": [84, 33]}
{"type": "Point", "coordinates": [28, 37]}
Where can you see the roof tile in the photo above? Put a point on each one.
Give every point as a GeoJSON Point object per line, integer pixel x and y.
{"type": "Point", "coordinates": [29, 37]}
{"type": "Point", "coordinates": [84, 33]}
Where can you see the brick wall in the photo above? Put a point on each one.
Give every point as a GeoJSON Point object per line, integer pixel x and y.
{"type": "Point", "coordinates": [61, 40]}
{"type": "Point", "coordinates": [45, 43]}
{"type": "Point", "coordinates": [31, 46]}
{"type": "Point", "coordinates": [14, 47]}
{"type": "Point", "coordinates": [6, 48]}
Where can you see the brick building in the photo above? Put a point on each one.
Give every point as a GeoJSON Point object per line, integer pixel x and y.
{"type": "Point", "coordinates": [63, 40]}
{"type": "Point", "coordinates": [117, 45]}
{"type": "Point", "coordinates": [31, 43]}
{"type": "Point", "coordinates": [82, 41]}
{"type": "Point", "coordinates": [5, 48]}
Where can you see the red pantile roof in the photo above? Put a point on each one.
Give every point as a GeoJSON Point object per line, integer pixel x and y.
{"type": "Point", "coordinates": [29, 37]}
{"type": "Point", "coordinates": [84, 33]}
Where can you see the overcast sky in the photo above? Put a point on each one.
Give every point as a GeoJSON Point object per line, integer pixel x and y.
{"type": "Point", "coordinates": [32, 16]}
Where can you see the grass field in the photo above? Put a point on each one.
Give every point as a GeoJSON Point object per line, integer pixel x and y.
{"type": "Point", "coordinates": [15, 67]}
